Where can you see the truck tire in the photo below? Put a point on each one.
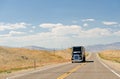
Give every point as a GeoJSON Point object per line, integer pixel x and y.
{"type": "Point", "coordinates": [84, 59]}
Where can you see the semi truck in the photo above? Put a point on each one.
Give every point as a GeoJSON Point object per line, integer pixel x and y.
{"type": "Point", "coordinates": [78, 54]}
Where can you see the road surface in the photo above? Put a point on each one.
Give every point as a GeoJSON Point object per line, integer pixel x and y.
{"type": "Point", "coordinates": [91, 69]}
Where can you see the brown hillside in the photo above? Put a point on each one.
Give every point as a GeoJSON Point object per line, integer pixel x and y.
{"type": "Point", "coordinates": [66, 53]}
{"type": "Point", "coordinates": [20, 58]}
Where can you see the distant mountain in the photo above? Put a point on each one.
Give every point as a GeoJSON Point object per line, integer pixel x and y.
{"type": "Point", "coordinates": [101, 47]}
{"type": "Point", "coordinates": [92, 48]}
{"type": "Point", "coordinates": [36, 48]}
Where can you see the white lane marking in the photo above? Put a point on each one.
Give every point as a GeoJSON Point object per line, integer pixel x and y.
{"type": "Point", "coordinates": [109, 68]}
{"type": "Point", "coordinates": [30, 72]}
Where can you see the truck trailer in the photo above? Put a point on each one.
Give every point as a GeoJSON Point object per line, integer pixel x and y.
{"type": "Point", "coordinates": [78, 54]}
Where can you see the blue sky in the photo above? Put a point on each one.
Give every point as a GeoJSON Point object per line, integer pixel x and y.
{"type": "Point", "coordinates": [59, 23]}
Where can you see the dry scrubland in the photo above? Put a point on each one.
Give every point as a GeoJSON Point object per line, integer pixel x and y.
{"type": "Point", "coordinates": [113, 55]}
{"type": "Point", "coordinates": [12, 59]}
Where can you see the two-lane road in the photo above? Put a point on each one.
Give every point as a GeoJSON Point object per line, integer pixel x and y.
{"type": "Point", "coordinates": [92, 69]}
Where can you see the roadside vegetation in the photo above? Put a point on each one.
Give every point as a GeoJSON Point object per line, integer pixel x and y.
{"type": "Point", "coordinates": [113, 55]}
{"type": "Point", "coordinates": [14, 59]}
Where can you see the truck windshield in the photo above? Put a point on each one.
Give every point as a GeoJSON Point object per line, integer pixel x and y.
{"type": "Point", "coordinates": [77, 49]}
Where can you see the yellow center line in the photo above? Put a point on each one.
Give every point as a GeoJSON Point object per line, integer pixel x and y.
{"type": "Point", "coordinates": [70, 72]}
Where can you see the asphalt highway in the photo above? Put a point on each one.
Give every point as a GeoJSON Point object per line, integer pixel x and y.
{"type": "Point", "coordinates": [93, 68]}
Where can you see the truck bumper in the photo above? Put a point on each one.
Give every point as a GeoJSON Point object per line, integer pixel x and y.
{"type": "Point", "coordinates": [77, 61]}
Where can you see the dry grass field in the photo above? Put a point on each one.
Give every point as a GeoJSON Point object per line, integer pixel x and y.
{"type": "Point", "coordinates": [12, 59]}
{"type": "Point", "coordinates": [113, 55]}
{"type": "Point", "coordinates": [66, 53]}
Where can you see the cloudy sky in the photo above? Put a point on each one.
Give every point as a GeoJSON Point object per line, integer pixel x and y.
{"type": "Point", "coordinates": [59, 23]}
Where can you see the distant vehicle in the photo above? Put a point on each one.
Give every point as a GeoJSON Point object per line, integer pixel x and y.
{"type": "Point", "coordinates": [78, 54]}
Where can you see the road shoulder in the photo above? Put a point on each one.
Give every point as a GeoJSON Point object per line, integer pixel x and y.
{"type": "Point", "coordinates": [112, 64]}
{"type": "Point", "coordinates": [25, 72]}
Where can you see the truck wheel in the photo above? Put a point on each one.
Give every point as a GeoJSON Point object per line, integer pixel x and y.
{"type": "Point", "coordinates": [84, 59]}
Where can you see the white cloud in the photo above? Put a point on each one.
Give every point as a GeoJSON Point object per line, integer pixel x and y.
{"type": "Point", "coordinates": [8, 26]}
{"type": "Point", "coordinates": [95, 32]}
{"type": "Point", "coordinates": [58, 34]}
{"type": "Point", "coordinates": [16, 33]}
{"type": "Point", "coordinates": [50, 25]}
{"type": "Point", "coordinates": [66, 30]}
{"type": "Point", "coordinates": [89, 19]}
{"type": "Point", "coordinates": [5, 35]}
{"type": "Point", "coordinates": [75, 30]}
{"type": "Point", "coordinates": [85, 25]}
{"type": "Point", "coordinates": [31, 31]}
{"type": "Point", "coordinates": [117, 33]}
{"type": "Point", "coordinates": [109, 23]}
{"type": "Point", "coordinates": [69, 31]}
{"type": "Point", "coordinates": [11, 33]}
